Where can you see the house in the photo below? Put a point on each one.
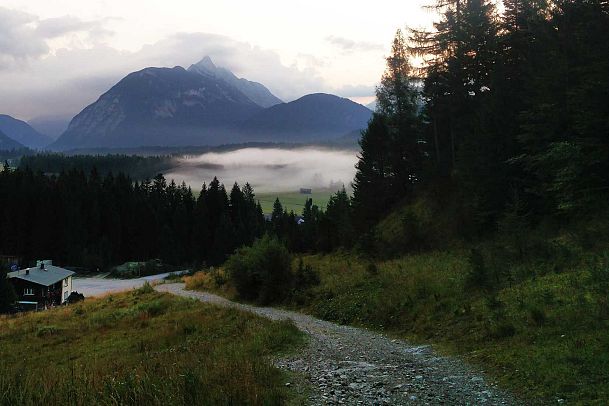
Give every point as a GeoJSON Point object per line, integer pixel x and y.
{"type": "Point", "coordinates": [305, 191]}
{"type": "Point", "coordinates": [42, 286]}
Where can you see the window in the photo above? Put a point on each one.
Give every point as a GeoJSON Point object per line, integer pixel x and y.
{"type": "Point", "coordinates": [28, 292]}
{"type": "Point", "coordinates": [65, 295]}
{"type": "Point", "coordinates": [65, 282]}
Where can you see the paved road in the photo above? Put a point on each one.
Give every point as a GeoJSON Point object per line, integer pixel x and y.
{"type": "Point", "coordinates": [347, 365]}
{"type": "Point", "coordinates": [97, 286]}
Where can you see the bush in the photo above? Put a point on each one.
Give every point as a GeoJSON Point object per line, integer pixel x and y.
{"type": "Point", "coordinates": [145, 289]}
{"type": "Point", "coordinates": [478, 275]}
{"type": "Point", "coordinates": [261, 273]}
{"type": "Point", "coordinates": [305, 276]}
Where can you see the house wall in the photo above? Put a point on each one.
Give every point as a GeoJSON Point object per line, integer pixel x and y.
{"type": "Point", "coordinates": [20, 285]}
{"type": "Point", "coordinates": [66, 289]}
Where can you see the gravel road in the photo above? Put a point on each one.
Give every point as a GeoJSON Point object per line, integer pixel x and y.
{"type": "Point", "coordinates": [97, 286]}
{"type": "Point", "coordinates": [353, 366]}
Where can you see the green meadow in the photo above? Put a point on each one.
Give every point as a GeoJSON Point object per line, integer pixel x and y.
{"type": "Point", "coordinates": [143, 348]}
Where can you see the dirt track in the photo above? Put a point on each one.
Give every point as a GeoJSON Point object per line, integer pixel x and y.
{"type": "Point", "coordinates": [347, 365]}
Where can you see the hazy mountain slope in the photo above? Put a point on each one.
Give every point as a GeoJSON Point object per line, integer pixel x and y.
{"type": "Point", "coordinates": [160, 106]}
{"type": "Point", "coordinates": [7, 144]}
{"type": "Point", "coordinates": [257, 92]}
{"type": "Point", "coordinates": [313, 117]}
{"type": "Point", "coordinates": [21, 132]}
{"type": "Point", "coordinates": [51, 126]}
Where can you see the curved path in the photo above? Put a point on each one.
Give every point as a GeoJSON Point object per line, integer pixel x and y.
{"type": "Point", "coordinates": [347, 365]}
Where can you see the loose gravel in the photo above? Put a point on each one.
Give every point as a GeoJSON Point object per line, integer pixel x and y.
{"type": "Point", "coordinates": [354, 366]}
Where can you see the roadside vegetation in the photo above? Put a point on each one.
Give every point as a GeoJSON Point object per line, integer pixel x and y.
{"type": "Point", "coordinates": [538, 323]}
{"type": "Point", "coordinates": [141, 348]}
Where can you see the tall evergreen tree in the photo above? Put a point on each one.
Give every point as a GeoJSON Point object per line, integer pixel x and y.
{"type": "Point", "coordinates": [391, 158]}
{"type": "Point", "coordinates": [7, 294]}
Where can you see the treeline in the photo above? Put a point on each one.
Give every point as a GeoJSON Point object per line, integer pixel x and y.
{"type": "Point", "coordinates": [505, 127]}
{"type": "Point", "coordinates": [95, 221]}
{"type": "Point", "coordinates": [134, 166]}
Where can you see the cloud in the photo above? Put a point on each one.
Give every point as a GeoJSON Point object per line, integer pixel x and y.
{"type": "Point", "coordinates": [66, 81]}
{"type": "Point", "coordinates": [348, 45]}
{"type": "Point", "coordinates": [24, 36]}
{"type": "Point", "coordinates": [356, 91]}
{"type": "Point", "coordinates": [59, 26]}
{"type": "Point", "coordinates": [38, 77]}
{"type": "Point", "coordinates": [18, 38]}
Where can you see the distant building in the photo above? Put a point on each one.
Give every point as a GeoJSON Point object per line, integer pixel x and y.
{"type": "Point", "coordinates": [42, 286]}
{"type": "Point", "coordinates": [305, 191]}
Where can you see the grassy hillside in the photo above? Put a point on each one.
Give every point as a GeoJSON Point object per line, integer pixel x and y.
{"type": "Point", "coordinates": [142, 348]}
{"type": "Point", "coordinates": [539, 325]}
{"type": "Point", "coordinates": [546, 337]}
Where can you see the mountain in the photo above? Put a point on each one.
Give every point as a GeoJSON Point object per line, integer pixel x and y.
{"type": "Point", "coordinates": [7, 144]}
{"type": "Point", "coordinates": [372, 105]}
{"type": "Point", "coordinates": [161, 107]}
{"type": "Point", "coordinates": [313, 117]}
{"type": "Point", "coordinates": [21, 132]}
{"type": "Point", "coordinates": [204, 105]}
{"type": "Point", "coordinates": [51, 126]}
{"type": "Point", "coordinates": [255, 91]}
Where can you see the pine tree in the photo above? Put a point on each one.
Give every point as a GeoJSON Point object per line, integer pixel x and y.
{"type": "Point", "coordinates": [372, 184]}
{"type": "Point", "coordinates": [391, 159]}
{"type": "Point", "coordinates": [7, 294]}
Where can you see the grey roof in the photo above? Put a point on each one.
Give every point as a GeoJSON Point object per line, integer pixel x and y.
{"type": "Point", "coordinates": [48, 276]}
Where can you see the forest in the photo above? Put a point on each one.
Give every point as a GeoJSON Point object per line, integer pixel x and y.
{"type": "Point", "coordinates": [481, 138]}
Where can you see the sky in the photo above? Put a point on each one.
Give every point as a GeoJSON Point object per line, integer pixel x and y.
{"type": "Point", "coordinates": [56, 57]}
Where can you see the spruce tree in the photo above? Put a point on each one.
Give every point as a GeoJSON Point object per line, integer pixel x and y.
{"type": "Point", "coordinates": [7, 294]}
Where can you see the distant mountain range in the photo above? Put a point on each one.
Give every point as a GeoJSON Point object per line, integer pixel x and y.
{"type": "Point", "coordinates": [205, 105]}
{"type": "Point", "coordinates": [23, 133]}
{"type": "Point", "coordinates": [315, 117]}
{"type": "Point", "coordinates": [7, 144]}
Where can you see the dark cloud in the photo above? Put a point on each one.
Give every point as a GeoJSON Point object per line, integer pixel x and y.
{"type": "Point", "coordinates": [348, 45]}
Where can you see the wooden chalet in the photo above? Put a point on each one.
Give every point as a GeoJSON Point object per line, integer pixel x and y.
{"type": "Point", "coordinates": [42, 286]}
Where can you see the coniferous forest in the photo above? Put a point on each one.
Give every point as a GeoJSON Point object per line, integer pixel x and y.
{"type": "Point", "coordinates": [503, 125]}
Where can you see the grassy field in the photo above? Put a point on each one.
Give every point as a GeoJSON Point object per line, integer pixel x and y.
{"type": "Point", "coordinates": [143, 348]}
{"type": "Point", "coordinates": [294, 201]}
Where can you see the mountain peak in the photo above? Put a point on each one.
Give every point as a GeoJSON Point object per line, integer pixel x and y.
{"type": "Point", "coordinates": [205, 64]}
{"type": "Point", "coordinates": [253, 90]}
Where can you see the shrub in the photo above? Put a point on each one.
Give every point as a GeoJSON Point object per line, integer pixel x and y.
{"type": "Point", "coordinates": [146, 288]}
{"type": "Point", "coordinates": [478, 275]}
{"type": "Point", "coordinates": [261, 273]}
{"type": "Point", "coordinates": [372, 269]}
{"type": "Point", "coordinates": [305, 276]}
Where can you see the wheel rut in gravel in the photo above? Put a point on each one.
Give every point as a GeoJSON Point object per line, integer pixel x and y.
{"type": "Point", "coordinates": [348, 365]}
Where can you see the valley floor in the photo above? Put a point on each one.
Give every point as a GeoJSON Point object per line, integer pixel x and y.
{"type": "Point", "coordinates": [355, 366]}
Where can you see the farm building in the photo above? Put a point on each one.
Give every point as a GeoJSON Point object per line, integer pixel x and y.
{"type": "Point", "coordinates": [42, 286]}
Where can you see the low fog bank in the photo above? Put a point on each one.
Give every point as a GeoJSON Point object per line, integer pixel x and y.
{"type": "Point", "coordinates": [269, 170]}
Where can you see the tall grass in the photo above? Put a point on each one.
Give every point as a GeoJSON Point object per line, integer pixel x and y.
{"type": "Point", "coordinates": [545, 336]}
{"type": "Point", "coordinates": [142, 348]}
